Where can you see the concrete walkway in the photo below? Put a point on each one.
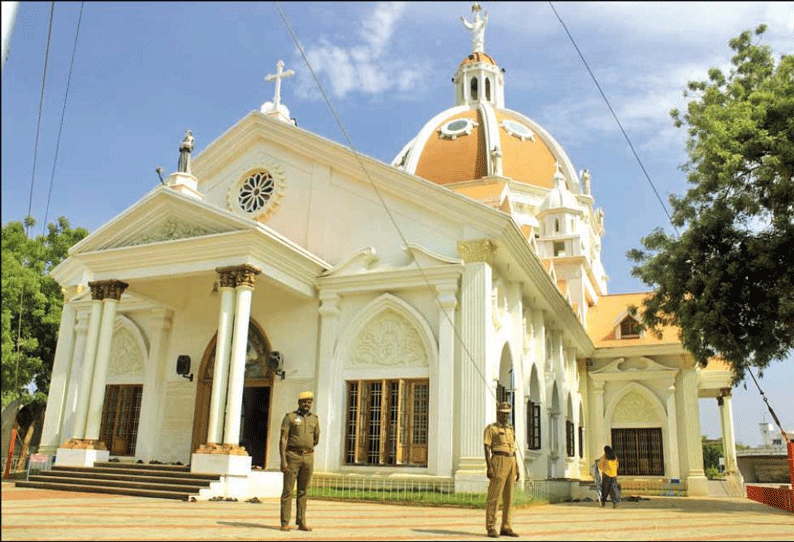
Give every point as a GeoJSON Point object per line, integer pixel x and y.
{"type": "Point", "coordinates": [35, 514]}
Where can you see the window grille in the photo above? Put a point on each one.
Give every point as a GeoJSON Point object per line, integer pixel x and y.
{"type": "Point", "coordinates": [387, 422]}
{"type": "Point", "coordinates": [640, 451]}
{"type": "Point", "coordinates": [120, 414]}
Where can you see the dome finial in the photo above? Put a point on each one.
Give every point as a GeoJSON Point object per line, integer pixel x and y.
{"type": "Point", "coordinates": [477, 28]}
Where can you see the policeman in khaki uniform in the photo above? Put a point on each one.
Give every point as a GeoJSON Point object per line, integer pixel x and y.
{"type": "Point", "coordinates": [500, 456]}
{"type": "Point", "coordinates": [300, 432]}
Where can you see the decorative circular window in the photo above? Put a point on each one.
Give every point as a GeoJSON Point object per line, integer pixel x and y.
{"type": "Point", "coordinates": [516, 129]}
{"type": "Point", "coordinates": [258, 190]}
{"type": "Point", "coordinates": [457, 127]}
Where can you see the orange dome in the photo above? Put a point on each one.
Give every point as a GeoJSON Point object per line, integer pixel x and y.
{"type": "Point", "coordinates": [453, 147]}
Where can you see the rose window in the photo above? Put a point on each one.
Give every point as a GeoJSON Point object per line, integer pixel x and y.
{"type": "Point", "coordinates": [256, 191]}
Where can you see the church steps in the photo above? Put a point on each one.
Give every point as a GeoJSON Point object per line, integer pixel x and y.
{"type": "Point", "coordinates": [142, 480]}
{"type": "Point", "coordinates": [115, 479]}
{"type": "Point", "coordinates": [159, 494]}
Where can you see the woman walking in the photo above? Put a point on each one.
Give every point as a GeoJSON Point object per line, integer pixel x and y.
{"type": "Point", "coordinates": [608, 465]}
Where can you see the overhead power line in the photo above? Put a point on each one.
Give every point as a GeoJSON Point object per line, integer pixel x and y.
{"type": "Point", "coordinates": [63, 114]}
{"type": "Point", "coordinates": [606, 100]}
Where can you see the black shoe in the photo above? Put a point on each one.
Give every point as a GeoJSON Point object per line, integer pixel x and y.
{"type": "Point", "coordinates": [492, 533]}
{"type": "Point", "coordinates": [508, 532]}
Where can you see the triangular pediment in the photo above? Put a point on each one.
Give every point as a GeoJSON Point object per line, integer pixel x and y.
{"type": "Point", "coordinates": [162, 215]}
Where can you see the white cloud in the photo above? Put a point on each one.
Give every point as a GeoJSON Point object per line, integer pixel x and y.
{"type": "Point", "coordinates": [369, 66]}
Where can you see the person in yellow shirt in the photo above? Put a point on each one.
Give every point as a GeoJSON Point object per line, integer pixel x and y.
{"type": "Point", "coordinates": [608, 465]}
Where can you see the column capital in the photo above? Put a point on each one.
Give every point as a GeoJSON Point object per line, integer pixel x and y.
{"type": "Point", "coordinates": [725, 392]}
{"type": "Point", "coordinates": [478, 250]}
{"type": "Point", "coordinates": [107, 289]}
{"type": "Point", "coordinates": [238, 275]}
{"type": "Point", "coordinates": [447, 295]}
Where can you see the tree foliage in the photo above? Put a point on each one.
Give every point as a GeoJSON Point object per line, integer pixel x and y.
{"type": "Point", "coordinates": [30, 335]}
{"type": "Point", "coordinates": [727, 281]}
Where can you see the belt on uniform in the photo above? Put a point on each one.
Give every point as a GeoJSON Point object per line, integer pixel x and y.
{"type": "Point", "coordinates": [301, 451]}
{"type": "Point", "coordinates": [506, 454]}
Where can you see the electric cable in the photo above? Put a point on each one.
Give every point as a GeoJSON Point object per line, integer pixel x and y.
{"type": "Point", "coordinates": [63, 114]}
{"type": "Point", "coordinates": [625, 135]}
{"type": "Point", "coordinates": [469, 356]}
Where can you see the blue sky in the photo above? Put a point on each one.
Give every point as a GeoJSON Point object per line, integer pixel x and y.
{"type": "Point", "coordinates": [143, 73]}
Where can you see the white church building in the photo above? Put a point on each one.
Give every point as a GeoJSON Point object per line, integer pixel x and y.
{"type": "Point", "coordinates": [409, 297]}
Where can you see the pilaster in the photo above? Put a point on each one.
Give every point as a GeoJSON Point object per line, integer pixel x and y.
{"type": "Point", "coordinates": [329, 371]}
{"type": "Point", "coordinates": [158, 322]}
{"type": "Point", "coordinates": [87, 371]}
{"type": "Point", "coordinates": [697, 485]}
{"type": "Point", "coordinates": [442, 398]}
{"type": "Point", "coordinates": [476, 329]}
{"type": "Point", "coordinates": [673, 469]}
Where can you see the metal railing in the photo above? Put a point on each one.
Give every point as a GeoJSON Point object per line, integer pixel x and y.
{"type": "Point", "coordinates": [430, 492]}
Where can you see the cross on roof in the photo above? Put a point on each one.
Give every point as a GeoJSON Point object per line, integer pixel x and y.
{"type": "Point", "coordinates": [277, 77]}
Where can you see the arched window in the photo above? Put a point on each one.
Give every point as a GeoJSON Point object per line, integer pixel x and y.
{"type": "Point", "coordinates": [556, 225]}
{"type": "Point", "coordinates": [474, 93]}
{"type": "Point", "coordinates": [487, 89]}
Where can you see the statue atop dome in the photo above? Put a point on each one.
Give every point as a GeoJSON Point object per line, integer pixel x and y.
{"type": "Point", "coordinates": [477, 28]}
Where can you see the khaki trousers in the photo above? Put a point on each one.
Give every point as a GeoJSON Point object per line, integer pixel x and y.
{"type": "Point", "coordinates": [300, 468]}
{"type": "Point", "coordinates": [503, 481]}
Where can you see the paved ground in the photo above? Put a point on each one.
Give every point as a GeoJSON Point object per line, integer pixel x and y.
{"type": "Point", "coordinates": [33, 514]}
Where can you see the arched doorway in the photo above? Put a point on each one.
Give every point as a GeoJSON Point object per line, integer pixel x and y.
{"type": "Point", "coordinates": [257, 396]}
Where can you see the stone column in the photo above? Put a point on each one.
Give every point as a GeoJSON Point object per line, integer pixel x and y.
{"type": "Point", "coordinates": [696, 478]}
{"type": "Point", "coordinates": [444, 402]}
{"type": "Point", "coordinates": [61, 371]}
{"type": "Point", "coordinates": [245, 280]}
{"type": "Point", "coordinates": [728, 439]}
{"type": "Point", "coordinates": [223, 342]}
{"type": "Point", "coordinates": [597, 437]}
{"type": "Point", "coordinates": [73, 384]}
{"type": "Point", "coordinates": [673, 462]}
{"type": "Point", "coordinates": [113, 290]}
{"type": "Point", "coordinates": [330, 396]}
{"type": "Point", "coordinates": [89, 357]}
{"type": "Point", "coordinates": [476, 328]}
{"type": "Point", "coordinates": [733, 477]}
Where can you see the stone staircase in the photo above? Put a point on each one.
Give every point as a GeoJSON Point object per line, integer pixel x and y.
{"type": "Point", "coordinates": [136, 479]}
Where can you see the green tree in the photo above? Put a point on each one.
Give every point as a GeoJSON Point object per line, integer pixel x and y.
{"type": "Point", "coordinates": [711, 457]}
{"type": "Point", "coordinates": [30, 335]}
{"type": "Point", "coordinates": [727, 281]}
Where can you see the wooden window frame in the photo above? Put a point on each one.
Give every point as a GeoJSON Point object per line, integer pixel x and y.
{"type": "Point", "coordinates": [121, 412]}
{"type": "Point", "coordinates": [533, 425]}
{"type": "Point", "coordinates": [581, 442]}
{"type": "Point", "coordinates": [387, 422]}
{"type": "Point", "coordinates": [569, 439]}
{"type": "Point", "coordinates": [639, 450]}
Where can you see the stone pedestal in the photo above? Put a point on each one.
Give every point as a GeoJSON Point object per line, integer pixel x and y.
{"type": "Point", "coordinates": [471, 475]}
{"type": "Point", "coordinates": [79, 457]}
{"type": "Point", "coordinates": [234, 469]}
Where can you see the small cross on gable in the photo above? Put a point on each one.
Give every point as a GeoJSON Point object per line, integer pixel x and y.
{"type": "Point", "coordinates": [277, 77]}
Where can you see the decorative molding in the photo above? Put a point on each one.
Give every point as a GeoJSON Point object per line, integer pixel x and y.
{"type": "Point", "coordinates": [387, 340]}
{"type": "Point", "coordinates": [633, 408]}
{"type": "Point", "coordinates": [170, 230]}
{"type": "Point", "coordinates": [126, 357]}
{"type": "Point", "coordinates": [425, 258]}
{"type": "Point", "coordinates": [107, 289]}
{"type": "Point", "coordinates": [360, 261]}
{"type": "Point", "coordinates": [479, 250]}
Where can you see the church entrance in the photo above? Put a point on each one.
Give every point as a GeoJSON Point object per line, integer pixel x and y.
{"type": "Point", "coordinates": [255, 413]}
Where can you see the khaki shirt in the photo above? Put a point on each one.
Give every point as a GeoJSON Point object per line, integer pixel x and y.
{"type": "Point", "coordinates": [500, 438]}
{"type": "Point", "coordinates": [303, 431]}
